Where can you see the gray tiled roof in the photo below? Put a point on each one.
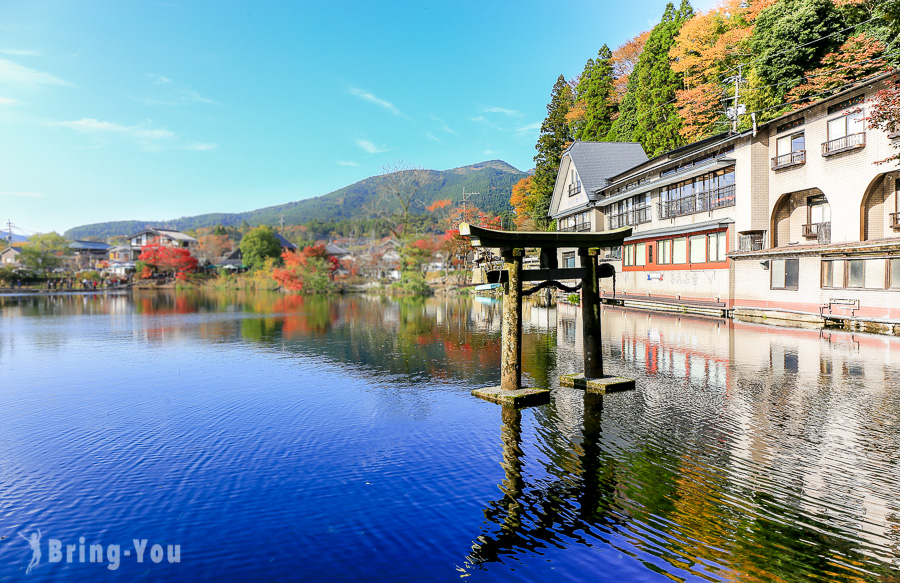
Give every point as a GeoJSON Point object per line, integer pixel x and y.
{"type": "Point", "coordinates": [679, 229]}
{"type": "Point", "coordinates": [597, 161]}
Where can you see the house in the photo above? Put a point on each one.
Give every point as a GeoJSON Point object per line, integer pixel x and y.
{"type": "Point", "coordinates": [9, 256]}
{"type": "Point", "coordinates": [87, 254]}
{"type": "Point", "coordinates": [742, 223]}
{"type": "Point", "coordinates": [236, 257]}
{"type": "Point", "coordinates": [165, 237]}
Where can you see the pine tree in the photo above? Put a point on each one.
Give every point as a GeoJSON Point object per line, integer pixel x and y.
{"type": "Point", "coordinates": [595, 96]}
{"type": "Point", "coordinates": [555, 137]}
{"type": "Point", "coordinates": [648, 113]}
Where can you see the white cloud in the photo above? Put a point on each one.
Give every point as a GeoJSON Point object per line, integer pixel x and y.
{"type": "Point", "coordinates": [477, 118]}
{"type": "Point", "coordinates": [201, 147]}
{"type": "Point", "coordinates": [366, 96]}
{"type": "Point", "coordinates": [530, 127]}
{"type": "Point", "coordinates": [23, 194]}
{"type": "Point", "coordinates": [21, 53]}
{"type": "Point", "coordinates": [431, 136]}
{"type": "Point", "coordinates": [159, 79]}
{"type": "Point", "coordinates": [16, 75]}
{"type": "Point", "coordinates": [7, 101]}
{"type": "Point", "coordinates": [489, 152]}
{"type": "Point", "coordinates": [346, 163]}
{"type": "Point", "coordinates": [89, 125]}
{"type": "Point", "coordinates": [171, 93]}
{"type": "Point", "coordinates": [370, 147]}
{"type": "Point", "coordinates": [444, 125]}
{"type": "Point", "coordinates": [502, 110]}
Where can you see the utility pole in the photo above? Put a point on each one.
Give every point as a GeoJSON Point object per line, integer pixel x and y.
{"type": "Point", "coordinates": [734, 113]}
{"type": "Point", "coordinates": [465, 200]}
{"type": "Point", "coordinates": [9, 231]}
{"type": "Point", "coordinates": [282, 224]}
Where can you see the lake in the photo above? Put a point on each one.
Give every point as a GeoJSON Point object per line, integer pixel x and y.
{"type": "Point", "coordinates": [259, 436]}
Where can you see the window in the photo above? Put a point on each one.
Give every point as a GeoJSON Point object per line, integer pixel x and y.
{"type": "Point", "coordinates": [679, 250]}
{"type": "Point", "coordinates": [698, 249]}
{"type": "Point", "coordinates": [857, 273]}
{"type": "Point", "coordinates": [785, 273]}
{"type": "Point", "coordinates": [845, 125]}
{"type": "Point", "coordinates": [818, 210]}
{"type": "Point", "coordinates": [875, 273]}
{"type": "Point", "coordinates": [718, 246]}
{"type": "Point", "coordinates": [664, 252]}
{"type": "Point", "coordinates": [790, 143]}
{"type": "Point", "coordinates": [568, 259]}
{"type": "Point", "coordinates": [629, 255]}
{"type": "Point", "coordinates": [828, 274]}
{"type": "Point", "coordinates": [791, 125]}
{"type": "Point", "coordinates": [640, 254]}
{"type": "Point", "coordinates": [650, 253]}
{"type": "Point", "coordinates": [895, 273]}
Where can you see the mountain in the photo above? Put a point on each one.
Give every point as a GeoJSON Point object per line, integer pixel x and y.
{"type": "Point", "coordinates": [493, 179]}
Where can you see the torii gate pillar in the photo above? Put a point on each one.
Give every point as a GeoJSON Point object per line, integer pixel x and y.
{"type": "Point", "coordinates": [511, 328]}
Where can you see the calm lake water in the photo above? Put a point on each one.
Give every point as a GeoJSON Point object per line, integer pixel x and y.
{"type": "Point", "coordinates": [289, 438]}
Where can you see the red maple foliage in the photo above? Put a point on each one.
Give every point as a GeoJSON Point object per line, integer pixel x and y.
{"type": "Point", "coordinates": [298, 267]}
{"type": "Point", "coordinates": [167, 259]}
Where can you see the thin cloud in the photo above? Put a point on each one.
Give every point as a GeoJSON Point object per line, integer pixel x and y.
{"type": "Point", "coordinates": [171, 93]}
{"type": "Point", "coordinates": [489, 152]}
{"type": "Point", "coordinates": [478, 118]}
{"type": "Point", "coordinates": [7, 101]}
{"type": "Point", "coordinates": [502, 110]}
{"type": "Point", "coordinates": [530, 127]}
{"type": "Point", "coordinates": [201, 147]}
{"type": "Point", "coordinates": [21, 53]}
{"type": "Point", "coordinates": [158, 79]}
{"type": "Point", "coordinates": [370, 147]}
{"type": "Point", "coordinates": [366, 96]}
{"type": "Point", "coordinates": [12, 73]}
{"type": "Point", "coordinates": [431, 136]}
{"type": "Point", "coordinates": [444, 125]}
{"type": "Point", "coordinates": [346, 163]}
{"type": "Point", "coordinates": [89, 125]}
{"type": "Point", "coordinates": [22, 194]}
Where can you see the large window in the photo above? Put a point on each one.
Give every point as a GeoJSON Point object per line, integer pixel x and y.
{"type": "Point", "coordinates": [856, 273]}
{"type": "Point", "coordinates": [640, 254]}
{"type": "Point", "coordinates": [679, 251]}
{"type": "Point", "coordinates": [845, 125]}
{"type": "Point", "coordinates": [698, 249]}
{"type": "Point", "coordinates": [664, 252]}
{"type": "Point", "coordinates": [703, 193]}
{"type": "Point", "coordinates": [718, 247]}
{"type": "Point", "coordinates": [895, 273]}
{"type": "Point", "coordinates": [785, 273]}
{"type": "Point", "coordinates": [790, 144]}
{"type": "Point", "coordinates": [629, 255]}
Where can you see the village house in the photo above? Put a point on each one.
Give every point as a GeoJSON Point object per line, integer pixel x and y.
{"type": "Point", "coordinates": [87, 254]}
{"type": "Point", "coordinates": [235, 259]}
{"type": "Point", "coordinates": [165, 237]}
{"type": "Point", "coordinates": [741, 223]}
{"type": "Point", "coordinates": [10, 256]}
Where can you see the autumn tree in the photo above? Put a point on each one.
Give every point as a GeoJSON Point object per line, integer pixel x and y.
{"type": "Point", "coordinates": [167, 259]}
{"type": "Point", "coordinates": [211, 247]}
{"type": "Point", "coordinates": [309, 270]}
{"type": "Point", "coordinates": [885, 114]}
{"type": "Point", "coordinates": [624, 60]}
{"type": "Point", "coordinates": [554, 139]}
{"type": "Point", "coordinates": [44, 251]}
{"type": "Point", "coordinates": [859, 57]}
{"type": "Point", "coordinates": [258, 245]}
{"type": "Point", "coordinates": [400, 188]}
{"type": "Point", "coordinates": [523, 202]}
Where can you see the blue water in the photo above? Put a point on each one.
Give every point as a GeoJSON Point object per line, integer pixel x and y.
{"type": "Point", "coordinates": [337, 440]}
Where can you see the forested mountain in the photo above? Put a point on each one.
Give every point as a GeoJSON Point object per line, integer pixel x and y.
{"type": "Point", "coordinates": [370, 197]}
{"type": "Point", "coordinates": [676, 83]}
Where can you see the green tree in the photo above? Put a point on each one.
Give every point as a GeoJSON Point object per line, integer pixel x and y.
{"type": "Point", "coordinates": [44, 251]}
{"type": "Point", "coordinates": [258, 245]}
{"type": "Point", "coordinates": [595, 98]}
{"type": "Point", "coordinates": [785, 41]}
{"type": "Point", "coordinates": [648, 113]}
{"type": "Point", "coordinates": [555, 137]}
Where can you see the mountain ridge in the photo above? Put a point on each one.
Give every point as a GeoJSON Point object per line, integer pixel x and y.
{"type": "Point", "coordinates": [493, 179]}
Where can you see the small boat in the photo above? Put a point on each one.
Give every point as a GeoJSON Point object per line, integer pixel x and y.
{"type": "Point", "coordinates": [487, 287]}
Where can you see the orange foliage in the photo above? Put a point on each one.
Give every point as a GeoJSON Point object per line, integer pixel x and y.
{"type": "Point", "coordinates": [297, 266]}
{"type": "Point", "coordinates": [438, 205]}
{"type": "Point", "coordinates": [859, 56]}
{"type": "Point", "coordinates": [624, 60]}
{"type": "Point", "coordinates": [522, 202]}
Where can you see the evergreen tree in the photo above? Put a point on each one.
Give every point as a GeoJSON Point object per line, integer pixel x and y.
{"type": "Point", "coordinates": [779, 37]}
{"type": "Point", "coordinates": [595, 95]}
{"type": "Point", "coordinates": [648, 113]}
{"type": "Point", "coordinates": [555, 137]}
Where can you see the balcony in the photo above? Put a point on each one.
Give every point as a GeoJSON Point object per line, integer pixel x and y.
{"type": "Point", "coordinates": [789, 160]}
{"type": "Point", "coordinates": [574, 188]}
{"type": "Point", "coordinates": [697, 203]}
{"type": "Point", "coordinates": [821, 232]}
{"type": "Point", "coordinates": [751, 242]}
{"type": "Point", "coordinates": [895, 220]}
{"type": "Point", "coordinates": [578, 227]}
{"type": "Point", "coordinates": [845, 144]}
{"type": "Point", "coordinates": [635, 216]}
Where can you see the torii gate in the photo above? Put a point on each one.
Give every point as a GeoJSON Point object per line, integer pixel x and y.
{"type": "Point", "coordinates": [512, 245]}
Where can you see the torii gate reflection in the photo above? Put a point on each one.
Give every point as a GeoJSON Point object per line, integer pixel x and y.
{"type": "Point", "coordinates": [559, 510]}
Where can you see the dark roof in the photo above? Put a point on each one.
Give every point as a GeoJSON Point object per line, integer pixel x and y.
{"type": "Point", "coordinates": [598, 161]}
{"type": "Point", "coordinates": [680, 229]}
{"type": "Point", "coordinates": [285, 244]}
{"type": "Point", "coordinates": [88, 246]}
{"type": "Point", "coordinates": [332, 249]}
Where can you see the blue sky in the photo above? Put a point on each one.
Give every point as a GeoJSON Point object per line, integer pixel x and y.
{"type": "Point", "coordinates": [155, 110]}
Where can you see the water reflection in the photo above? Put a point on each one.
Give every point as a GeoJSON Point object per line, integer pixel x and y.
{"type": "Point", "coordinates": [748, 452]}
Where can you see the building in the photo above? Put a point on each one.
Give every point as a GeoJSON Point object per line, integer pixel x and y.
{"type": "Point", "coordinates": [87, 254]}
{"type": "Point", "coordinates": [741, 223]}
{"type": "Point", "coordinates": [9, 257]}
{"type": "Point", "coordinates": [164, 237]}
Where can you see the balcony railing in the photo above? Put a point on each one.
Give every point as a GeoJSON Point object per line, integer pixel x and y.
{"type": "Point", "coordinates": [851, 142]}
{"type": "Point", "coordinates": [895, 220]}
{"type": "Point", "coordinates": [820, 231]}
{"type": "Point", "coordinates": [697, 203]}
{"type": "Point", "coordinates": [751, 242]}
{"type": "Point", "coordinates": [634, 216]}
{"type": "Point", "coordinates": [788, 160]}
{"type": "Point", "coordinates": [574, 188]}
{"type": "Point", "coordinates": [578, 227]}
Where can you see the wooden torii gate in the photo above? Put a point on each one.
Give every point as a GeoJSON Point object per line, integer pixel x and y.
{"type": "Point", "coordinates": [512, 245]}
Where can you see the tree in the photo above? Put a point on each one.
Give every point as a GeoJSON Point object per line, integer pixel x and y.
{"type": "Point", "coordinates": [401, 185]}
{"type": "Point", "coordinates": [309, 270]}
{"type": "Point", "coordinates": [648, 113]}
{"type": "Point", "coordinates": [595, 99]}
{"type": "Point", "coordinates": [258, 245]}
{"type": "Point", "coordinates": [625, 59]}
{"type": "Point", "coordinates": [44, 251]}
{"type": "Point", "coordinates": [167, 259]}
{"type": "Point", "coordinates": [792, 36]}
{"type": "Point", "coordinates": [213, 246]}
{"type": "Point", "coordinates": [859, 57]}
{"type": "Point", "coordinates": [885, 114]}
{"type": "Point", "coordinates": [523, 202]}
{"type": "Point", "coordinates": [554, 139]}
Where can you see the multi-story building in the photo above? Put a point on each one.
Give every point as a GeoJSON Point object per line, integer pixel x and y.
{"type": "Point", "coordinates": [742, 222]}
